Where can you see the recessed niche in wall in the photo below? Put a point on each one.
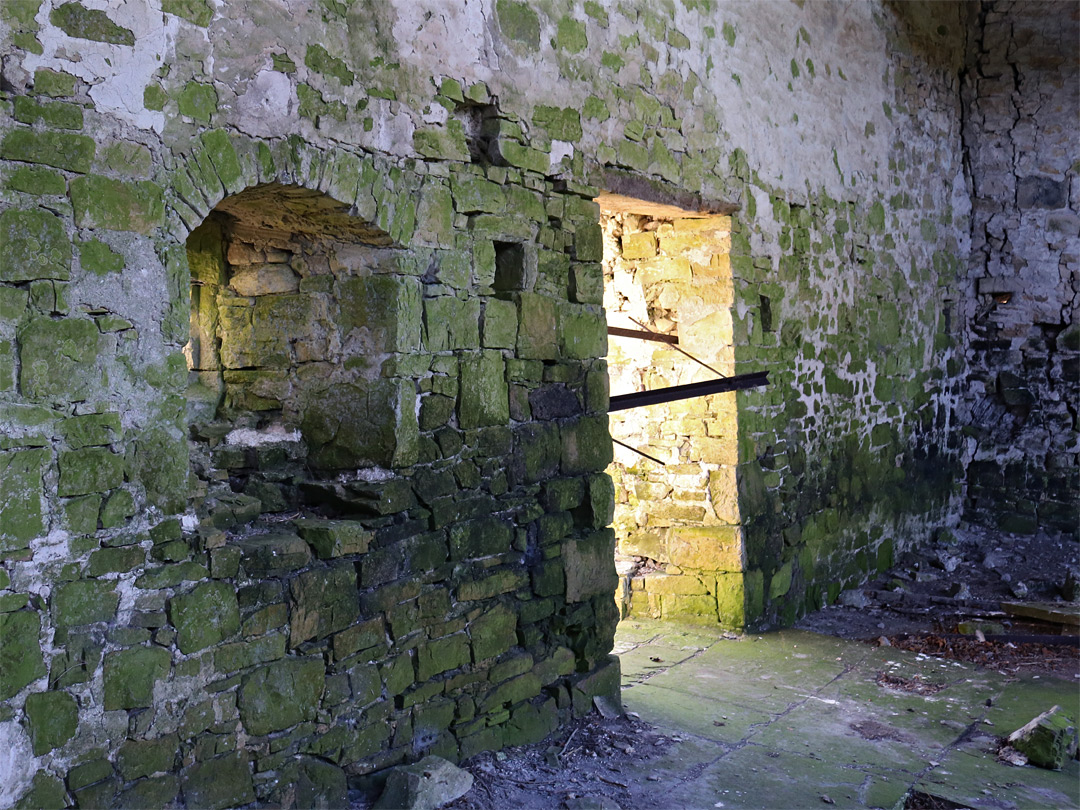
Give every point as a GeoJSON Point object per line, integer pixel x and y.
{"type": "Point", "coordinates": [295, 309]}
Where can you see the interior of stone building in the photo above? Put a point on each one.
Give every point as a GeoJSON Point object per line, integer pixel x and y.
{"type": "Point", "coordinates": [634, 404]}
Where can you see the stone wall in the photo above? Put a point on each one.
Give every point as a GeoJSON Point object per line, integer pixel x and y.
{"type": "Point", "coordinates": [1023, 342]}
{"type": "Point", "coordinates": [169, 630]}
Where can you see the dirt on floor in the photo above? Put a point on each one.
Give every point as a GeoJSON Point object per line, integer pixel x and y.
{"type": "Point", "coordinates": [1005, 602]}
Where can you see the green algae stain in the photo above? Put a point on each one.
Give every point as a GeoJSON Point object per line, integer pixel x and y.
{"type": "Point", "coordinates": [84, 23]}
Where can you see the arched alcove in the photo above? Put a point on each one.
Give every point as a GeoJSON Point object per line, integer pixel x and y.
{"type": "Point", "coordinates": [296, 307]}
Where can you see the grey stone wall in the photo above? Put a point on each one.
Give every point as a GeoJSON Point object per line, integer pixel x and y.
{"type": "Point", "coordinates": [1022, 96]}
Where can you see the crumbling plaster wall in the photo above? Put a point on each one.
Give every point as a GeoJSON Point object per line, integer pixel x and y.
{"type": "Point", "coordinates": [1022, 96]}
{"type": "Point", "coordinates": [834, 128]}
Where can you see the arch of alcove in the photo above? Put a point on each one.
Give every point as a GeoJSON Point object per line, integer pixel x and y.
{"type": "Point", "coordinates": [292, 317]}
{"type": "Point", "coordinates": [667, 271]}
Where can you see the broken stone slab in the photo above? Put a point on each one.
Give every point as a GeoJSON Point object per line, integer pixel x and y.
{"type": "Point", "coordinates": [1048, 740]}
{"type": "Point", "coordinates": [1061, 613]}
{"type": "Point", "coordinates": [424, 785]}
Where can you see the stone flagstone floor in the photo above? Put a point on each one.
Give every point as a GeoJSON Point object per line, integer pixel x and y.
{"type": "Point", "coordinates": [794, 719]}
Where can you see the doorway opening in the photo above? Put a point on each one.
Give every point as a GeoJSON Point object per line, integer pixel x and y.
{"type": "Point", "coordinates": [668, 297]}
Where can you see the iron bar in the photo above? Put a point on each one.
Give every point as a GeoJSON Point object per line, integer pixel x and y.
{"type": "Point", "coordinates": [673, 393]}
{"type": "Point", "coordinates": [639, 452]}
{"type": "Point", "coordinates": [639, 335]}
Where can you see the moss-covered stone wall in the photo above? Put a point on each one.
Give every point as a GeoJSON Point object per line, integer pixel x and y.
{"type": "Point", "coordinates": [168, 633]}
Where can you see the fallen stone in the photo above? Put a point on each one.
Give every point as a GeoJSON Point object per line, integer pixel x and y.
{"type": "Point", "coordinates": [1048, 740]}
{"type": "Point", "coordinates": [424, 785]}
{"type": "Point", "coordinates": [853, 598]}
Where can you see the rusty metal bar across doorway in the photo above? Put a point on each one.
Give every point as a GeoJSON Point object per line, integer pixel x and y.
{"type": "Point", "coordinates": [639, 334]}
{"type": "Point", "coordinates": [689, 391]}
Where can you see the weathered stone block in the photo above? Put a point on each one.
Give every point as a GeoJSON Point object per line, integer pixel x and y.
{"type": "Point", "coordinates": [21, 661]}
{"type": "Point", "coordinates": [589, 566]}
{"type": "Point", "coordinates": [537, 451]}
{"type": "Point", "coordinates": [21, 491]}
{"type": "Point", "coordinates": [205, 616]}
{"type": "Point", "coordinates": [61, 150]}
{"type": "Point", "coordinates": [484, 393]}
{"type": "Point", "coordinates": [35, 246]}
{"type": "Point", "coordinates": [59, 358]}
{"type": "Point", "coordinates": [115, 560]}
{"type": "Point", "coordinates": [479, 538]}
{"type": "Point", "coordinates": [705, 548]}
{"type": "Point", "coordinates": [46, 793]}
{"type": "Point", "coordinates": [323, 601]}
{"type": "Point", "coordinates": [243, 654]}
{"type": "Point", "coordinates": [101, 202]}
{"type": "Point", "coordinates": [500, 324]}
{"type": "Point", "coordinates": [274, 554]}
{"type": "Point", "coordinates": [365, 635]}
{"type": "Point", "coordinates": [493, 633]}
{"type": "Point", "coordinates": [219, 783]}
{"type": "Point", "coordinates": [537, 333]}
{"type": "Point", "coordinates": [586, 445]}
{"type": "Point", "coordinates": [139, 758]}
{"type": "Point", "coordinates": [351, 425]}
{"type": "Point", "coordinates": [492, 585]}
{"type": "Point", "coordinates": [91, 469]}
{"type": "Point", "coordinates": [441, 655]}
{"type": "Point", "coordinates": [130, 676]}
{"type": "Point", "coordinates": [84, 602]}
{"type": "Point", "coordinates": [282, 694]}
{"type": "Point", "coordinates": [334, 538]}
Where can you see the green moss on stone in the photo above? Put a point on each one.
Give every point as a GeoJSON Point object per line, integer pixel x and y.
{"type": "Point", "coordinates": [21, 491]}
{"type": "Point", "coordinates": [154, 97]}
{"type": "Point", "coordinates": [33, 180]}
{"type": "Point", "coordinates": [484, 395]}
{"type": "Point", "coordinates": [80, 22]}
{"type": "Point", "coordinates": [198, 12]}
{"type": "Point", "coordinates": [219, 783]}
{"type": "Point", "coordinates": [90, 469]}
{"type": "Point", "coordinates": [198, 100]}
{"type": "Point", "coordinates": [102, 202]}
{"type": "Point", "coordinates": [561, 123]}
{"type": "Point", "coordinates": [519, 22]}
{"type": "Point", "coordinates": [571, 36]}
{"type": "Point", "coordinates": [53, 718]}
{"type": "Point", "coordinates": [204, 617]}
{"type": "Point", "coordinates": [442, 143]}
{"type": "Point", "coordinates": [53, 83]}
{"type": "Point", "coordinates": [21, 662]}
{"type": "Point", "coordinates": [53, 114]}
{"type": "Point", "coordinates": [130, 676]}
{"type": "Point", "coordinates": [84, 602]}
{"type": "Point", "coordinates": [160, 464]}
{"type": "Point", "coordinates": [282, 694]}
{"type": "Point", "coordinates": [35, 246]}
{"type": "Point", "coordinates": [323, 601]}
{"type": "Point", "coordinates": [46, 793]}
{"type": "Point", "coordinates": [115, 560]}
{"type": "Point", "coordinates": [319, 59]}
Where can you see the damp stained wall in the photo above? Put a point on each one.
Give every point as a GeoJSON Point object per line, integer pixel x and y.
{"type": "Point", "coordinates": [831, 132]}
{"type": "Point", "coordinates": [1023, 342]}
